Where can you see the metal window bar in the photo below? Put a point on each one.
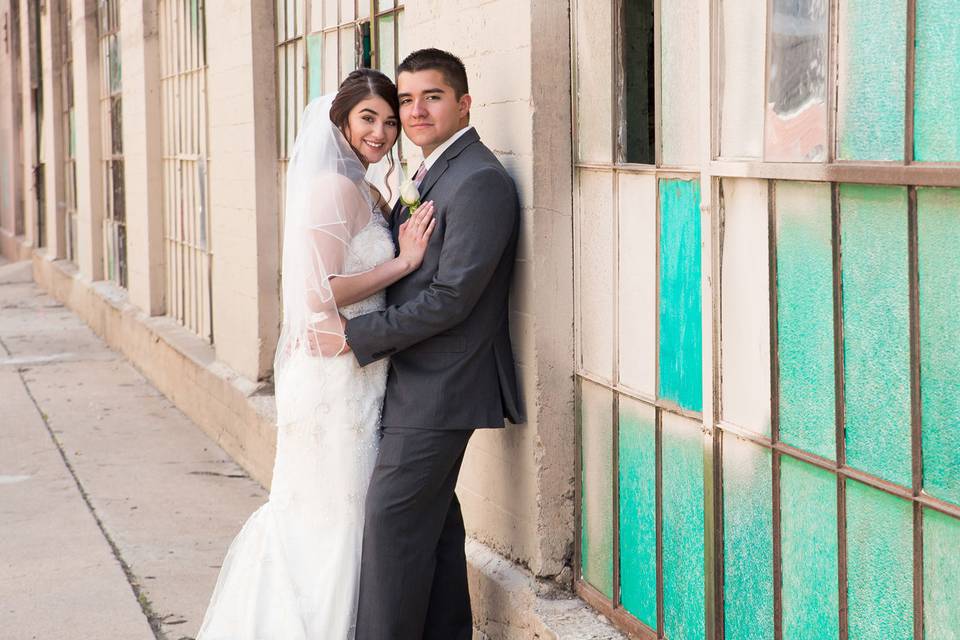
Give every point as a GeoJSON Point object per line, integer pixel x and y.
{"type": "Point", "coordinates": [114, 220]}
{"type": "Point", "coordinates": [69, 133]}
{"type": "Point", "coordinates": [906, 173]}
{"type": "Point", "coordinates": [36, 94]}
{"type": "Point", "coordinates": [294, 21]}
{"type": "Point", "coordinates": [185, 203]}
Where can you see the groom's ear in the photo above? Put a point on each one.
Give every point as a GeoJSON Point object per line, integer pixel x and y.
{"type": "Point", "coordinates": [463, 106]}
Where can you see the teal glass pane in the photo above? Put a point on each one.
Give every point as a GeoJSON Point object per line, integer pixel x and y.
{"type": "Point", "coordinates": [805, 317]}
{"type": "Point", "coordinates": [747, 540]}
{"type": "Point", "coordinates": [876, 330]}
{"type": "Point", "coordinates": [872, 83]}
{"type": "Point", "coordinates": [681, 377]}
{"type": "Point", "coordinates": [879, 564]}
{"type": "Point", "coordinates": [596, 525]}
{"type": "Point", "coordinates": [314, 65]}
{"type": "Point", "coordinates": [937, 82]}
{"type": "Point", "coordinates": [938, 261]}
{"type": "Point", "coordinates": [808, 547]}
{"type": "Point", "coordinates": [941, 576]}
{"type": "Point", "coordinates": [683, 571]}
{"type": "Point", "coordinates": [638, 510]}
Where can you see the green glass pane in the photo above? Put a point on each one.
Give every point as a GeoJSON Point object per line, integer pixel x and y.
{"type": "Point", "coordinates": [937, 82]}
{"type": "Point", "coordinates": [681, 377]}
{"type": "Point", "coordinates": [638, 510]}
{"type": "Point", "coordinates": [386, 46]}
{"type": "Point", "coordinates": [114, 56]}
{"type": "Point", "coordinates": [596, 526]}
{"type": "Point", "coordinates": [683, 571]}
{"type": "Point", "coordinates": [314, 65]}
{"type": "Point", "coordinates": [876, 330]}
{"type": "Point", "coordinates": [941, 576]}
{"type": "Point", "coordinates": [870, 120]}
{"type": "Point", "coordinates": [879, 564]}
{"type": "Point", "coordinates": [808, 525]}
{"type": "Point", "coordinates": [805, 317]}
{"type": "Point", "coordinates": [938, 238]}
{"type": "Point", "coordinates": [747, 540]}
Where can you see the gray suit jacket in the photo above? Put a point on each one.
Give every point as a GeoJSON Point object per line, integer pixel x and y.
{"type": "Point", "coordinates": [446, 326]}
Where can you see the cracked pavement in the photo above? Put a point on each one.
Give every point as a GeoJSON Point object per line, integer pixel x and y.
{"type": "Point", "coordinates": [115, 510]}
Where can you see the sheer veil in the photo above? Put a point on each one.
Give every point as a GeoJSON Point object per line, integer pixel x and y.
{"type": "Point", "coordinates": [327, 203]}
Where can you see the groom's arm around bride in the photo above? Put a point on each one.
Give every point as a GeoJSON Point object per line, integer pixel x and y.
{"type": "Point", "coordinates": [446, 330]}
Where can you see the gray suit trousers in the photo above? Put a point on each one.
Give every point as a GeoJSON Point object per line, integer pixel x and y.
{"type": "Point", "coordinates": [413, 580]}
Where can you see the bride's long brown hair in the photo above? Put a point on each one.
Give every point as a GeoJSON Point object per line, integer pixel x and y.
{"type": "Point", "coordinates": [356, 87]}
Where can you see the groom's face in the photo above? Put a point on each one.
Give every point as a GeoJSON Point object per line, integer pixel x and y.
{"type": "Point", "coordinates": [429, 108]}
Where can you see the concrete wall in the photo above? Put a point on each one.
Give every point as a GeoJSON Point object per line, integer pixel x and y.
{"type": "Point", "coordinates": [517, 486]}
{"type": "Point", "coordinates": [11, 167]}
{"type": "Point", "coordinates": [140, 60]}
{"type": "Point", "coordinates": [243, 183]}
{"type": "Point", "coordinates": [86, 83]}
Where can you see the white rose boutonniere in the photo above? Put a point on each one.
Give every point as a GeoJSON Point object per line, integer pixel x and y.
{"type": "Point", "coordinates": [410, 195]}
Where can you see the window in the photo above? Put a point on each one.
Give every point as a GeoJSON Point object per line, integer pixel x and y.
{"type": "Point", "coordinates": [183, 85]}
{"type": "Point", "coordinates": [36, 100]}
{"type": "Point", "coordinates": [319, 42]}
{"type": "Point", "coordinates": [767, 405]}
{"type": "Point", "coordinates": [69, 131]}
{"type": "Point", "coordinates": [111, 127]}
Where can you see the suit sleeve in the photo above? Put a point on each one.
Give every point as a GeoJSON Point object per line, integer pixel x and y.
{"type": "Point", "coordinates": [479, 225]}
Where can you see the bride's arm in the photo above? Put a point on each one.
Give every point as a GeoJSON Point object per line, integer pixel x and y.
{"type": "Point", "coordinates": [414, 237]}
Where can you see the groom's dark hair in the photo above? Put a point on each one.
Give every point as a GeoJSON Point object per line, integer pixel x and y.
{"type": "Point", "coordinates": [446, 63]}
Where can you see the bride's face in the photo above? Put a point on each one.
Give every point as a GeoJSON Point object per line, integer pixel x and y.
{"type": "Point", "coordinates": [372, 128]}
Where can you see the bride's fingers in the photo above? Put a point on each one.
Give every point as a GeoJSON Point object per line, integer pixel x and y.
{"type": "Point", "coordinates": [428, 230]}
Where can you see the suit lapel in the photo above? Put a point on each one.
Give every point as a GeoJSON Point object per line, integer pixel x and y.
{"type": "Point", "coordinates": [443, 161]}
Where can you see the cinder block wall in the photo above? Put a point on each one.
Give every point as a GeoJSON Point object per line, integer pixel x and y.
{"type": "Point", "coordinates": [517, 486]}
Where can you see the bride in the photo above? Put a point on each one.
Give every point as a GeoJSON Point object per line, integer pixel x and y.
{"type": "Point", "coordinates": [292, 573]}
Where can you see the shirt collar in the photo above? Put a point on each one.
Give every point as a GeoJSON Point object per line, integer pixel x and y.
{"type": "Point", "coordinates": [431, 159]}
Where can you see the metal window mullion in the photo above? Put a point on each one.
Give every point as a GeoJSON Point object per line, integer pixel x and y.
{"type": "Point", "coordinates": [833, 70]}
{"type": "Point", "coordinates": [775, 408]}
{"type": "Point", "coordinates": [658, 411]}
{"type": "Point", "coordinates": [916, 413]}
{"type": "Point", "coordinates": [910, 77]}
{"type": "Point", "coordinates": [658, 94]}
{"type": "Point", "coordinates": [615, 434]}
{"type": "Point", "coordinates": [713, 506]}
{"type": "Point", "coordinates": [839, 412]}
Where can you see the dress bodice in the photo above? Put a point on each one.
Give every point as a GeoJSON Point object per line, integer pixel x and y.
{"type": "Point", "coordinates": [371, 246]}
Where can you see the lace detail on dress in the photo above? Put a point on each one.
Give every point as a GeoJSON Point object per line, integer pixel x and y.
{"type": "Point", "coordinates": [293, 571]}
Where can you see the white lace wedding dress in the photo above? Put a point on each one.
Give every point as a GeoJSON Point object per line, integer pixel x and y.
{"type": "Point", "coordinates": [292, 573]}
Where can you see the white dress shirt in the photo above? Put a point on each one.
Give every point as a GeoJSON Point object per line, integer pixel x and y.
{"type": "Point", "coordinates": [435, 155]}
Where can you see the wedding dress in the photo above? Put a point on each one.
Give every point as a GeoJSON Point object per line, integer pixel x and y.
{"type": "Point", "coordinates": [292, 573]}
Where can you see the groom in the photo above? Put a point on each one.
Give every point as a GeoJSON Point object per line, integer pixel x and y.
{"type": "Point", "coordinates": [446, 330]}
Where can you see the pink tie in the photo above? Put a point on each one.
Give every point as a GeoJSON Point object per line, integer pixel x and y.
{"type": "Point", "coordinates": [421, 172]}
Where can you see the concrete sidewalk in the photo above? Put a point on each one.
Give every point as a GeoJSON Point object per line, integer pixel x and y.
{"type": "Point", "coordinates": [104, 486]}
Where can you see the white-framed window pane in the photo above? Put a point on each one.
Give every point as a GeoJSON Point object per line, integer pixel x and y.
{"type": "Point", "coordinates": [593, 81]}
{"type": "Point", "coordinates": [637, 290]}
{"type": "Point", "coordinates": [595, 274]}
{"type": "Point", "coordinates": [745, 305]}
{"type": "Point", "coordinates": [742, 30]}
{"type": "Point", "coordinates": [680, 81]}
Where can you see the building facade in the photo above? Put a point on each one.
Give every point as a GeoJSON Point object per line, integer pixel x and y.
{"type": "Point", "coordinates": [734, 310]}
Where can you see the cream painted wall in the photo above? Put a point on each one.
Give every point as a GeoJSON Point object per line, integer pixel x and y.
{"type": "Point", "coordinates": [517, 485]}
{"type": "Point", "coordinates": [243, 184]}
